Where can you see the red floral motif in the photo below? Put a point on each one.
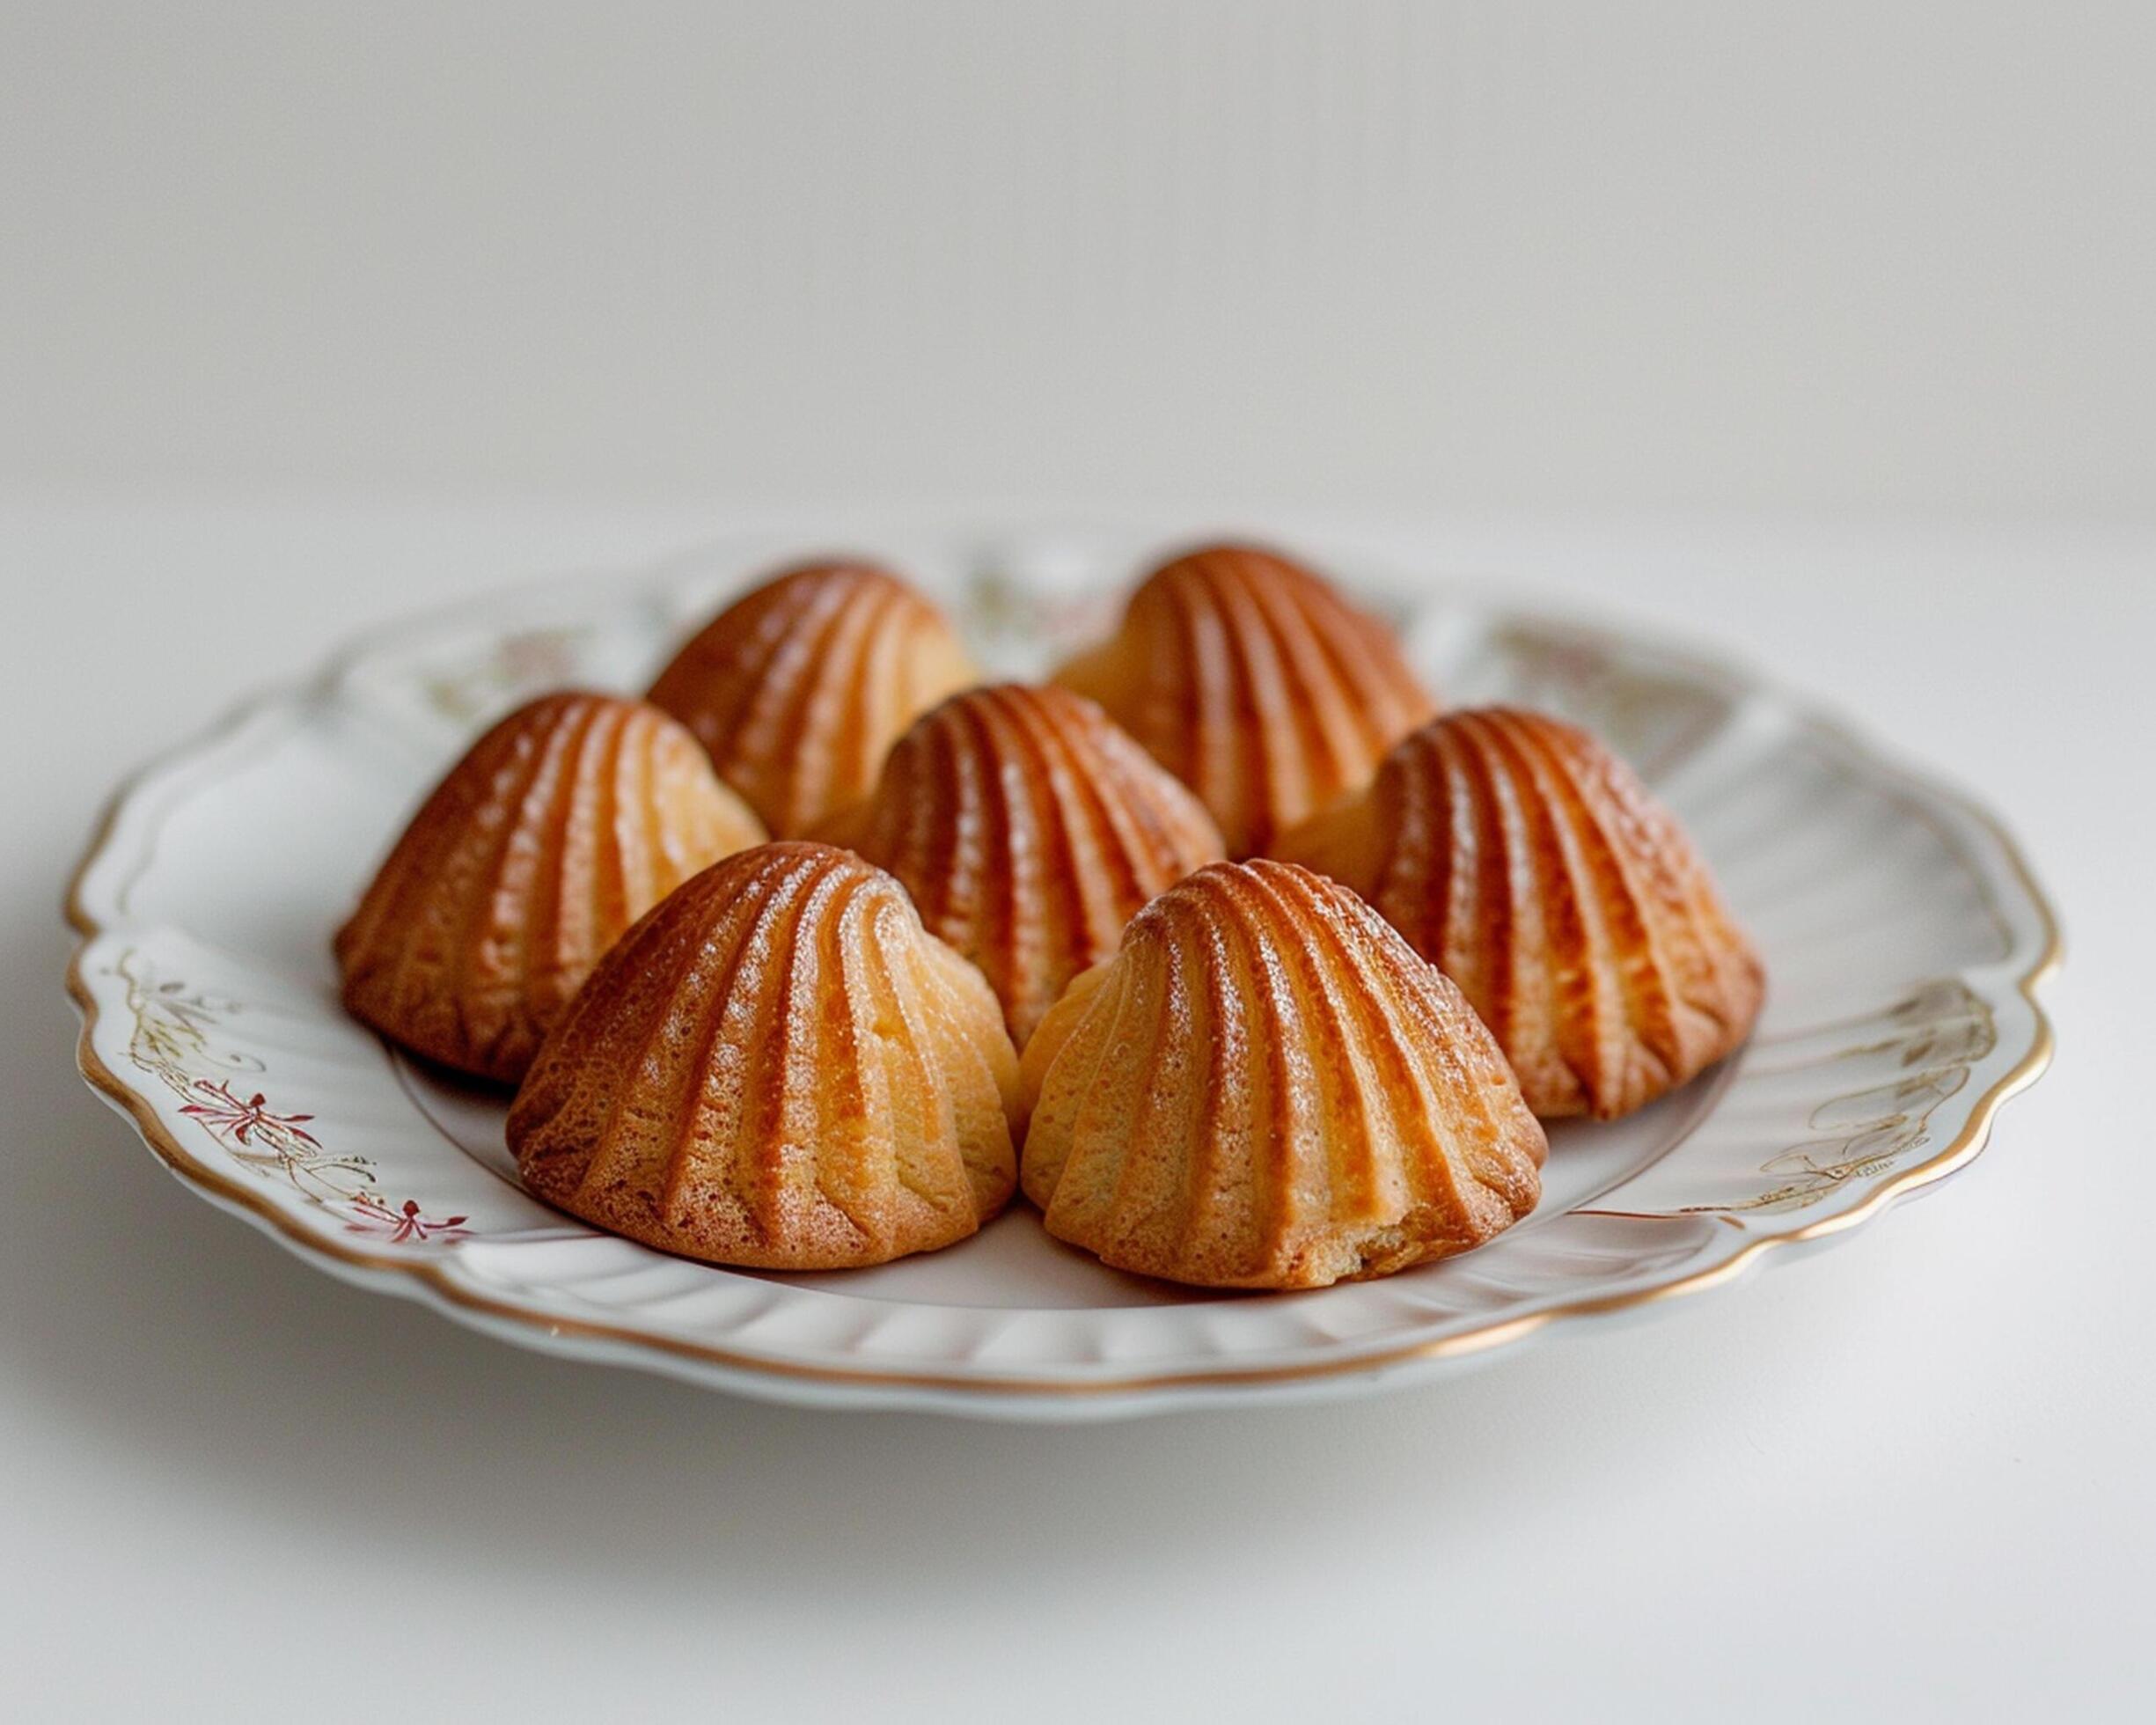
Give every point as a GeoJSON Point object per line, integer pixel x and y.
{"type": "Point", "coordinates": [404, 1225]}
{"type": "Point", "coordinates": [225, 1113]}
{"type": "Point", "coordinates": [172, 1040]}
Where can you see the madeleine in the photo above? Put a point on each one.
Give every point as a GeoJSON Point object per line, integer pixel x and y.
{"type": "Point", "coordinates": [1028, 830]}
{"type": "Point", "coordinates": [798, 688]}
{"type": "Point", "coordinates": [1524, 858]}
{"type": "Point", "coordinates": [1266, 1088]}
{"type": "Point", "coordinates": [778, 1067]}
{"type": "Point", "coordinates": [1256, 684]}
{"type": "Point", "coordinates": [561, 826]}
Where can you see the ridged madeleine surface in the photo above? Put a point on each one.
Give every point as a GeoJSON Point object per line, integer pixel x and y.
{"type": "Point", "coordinates": [1265, 1087]}
{"type": "Point", "coordinates": [1527, 859]}
{"type": "Point", "coordinates": [1028, 830]}
{"type": "Point", "coordinates": [1256, 684]}
{"type": "Point", "coordinates": [798, 688]}
{"type": "Point", "coordinates": [777, 1067]}
{"type": "Point", "coordinates": [564, 824]}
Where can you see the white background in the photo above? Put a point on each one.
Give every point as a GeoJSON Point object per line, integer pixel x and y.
{"type": "Point", "coordinates": [1819, 332]}
{"type": "Point", "coordinates": [1809, 254]}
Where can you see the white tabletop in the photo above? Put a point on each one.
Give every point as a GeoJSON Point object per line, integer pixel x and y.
{"type": "Point", "coordinates": [1910, 1469]}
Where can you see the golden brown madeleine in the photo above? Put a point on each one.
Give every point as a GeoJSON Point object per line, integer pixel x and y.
{"type": "Point", "coordinates": [1265, 1087]}
{"type": "Point", "coordinates": [1256, 684]}
{"type": "Point", "coordinates": [1527, 859]}
{"type": "Point", "coordinates": [777, 1067]}
{"type": "Point", "coordinates": [563, 825]}
{"type": "Point", "coordinates": [798, 688]}
{"type": "Point", "coordinates": [1028, 830]}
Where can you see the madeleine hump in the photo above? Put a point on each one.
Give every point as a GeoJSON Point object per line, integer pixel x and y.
{"type": "Point", "coordinates": [1255, 683]}
{"type": "Point", "coordinates": [1523, 857]}
{"type": "Point", "coordinates": [778, 1067]}
{"type": "Point", "coordinates": [799, 688]}
{"type": "Point", "coordinates": [1267, 1088]}
{"type": "Point", "coordinates": [561, 826]}
{"type": "Point", "coordinates": [1029, 829]}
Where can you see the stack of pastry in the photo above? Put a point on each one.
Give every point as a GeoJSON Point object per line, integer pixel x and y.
{"type": "Point", "coordinates": [998, 944]}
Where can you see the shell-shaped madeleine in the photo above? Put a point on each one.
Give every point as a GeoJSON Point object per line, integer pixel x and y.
{"type": "Point", "coordinates": [1256, 684]}
{"type": "Point", "coordinates": [777, 1067]}
{"type": "Point", "coordinates": [1265, 1087]}
{"type": "Point", "coordinates": [799, 688]}
{"type": "Point", "coordinates": [1524, 858]}
{"type": "Point", "coordinates": [562, 825]}
{"type": "Point", "coordinates": [1028, 830]}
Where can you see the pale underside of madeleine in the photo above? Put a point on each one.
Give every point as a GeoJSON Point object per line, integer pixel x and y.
{"type": "Point", "coordinates": [1255, 683]}
{"type": "Point", "coordinates": [1265, 1087]}
{"type": "Point", "coordinates": [561, 826]}
{"type": "Point", "coordinates": [1029, 829]}
{"type": "Point", "coordinates": [798, 688]}
{"type": "Point", "coordinates": [779, 1067]}
{"type": "Point", "coordinates": [1526, 861]}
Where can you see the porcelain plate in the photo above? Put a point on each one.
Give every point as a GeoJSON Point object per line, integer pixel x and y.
{"type": "Point", "coordinates": [1904, 935]}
